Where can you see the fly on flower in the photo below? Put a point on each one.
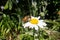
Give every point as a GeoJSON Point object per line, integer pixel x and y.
{"type": "Point", "coordinates": [34, 22]}
{"type": "Point", "coordinates": [26, 18]}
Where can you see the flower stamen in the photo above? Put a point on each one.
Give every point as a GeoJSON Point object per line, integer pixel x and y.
{"type": "Point", "coordinates": [34, 21]}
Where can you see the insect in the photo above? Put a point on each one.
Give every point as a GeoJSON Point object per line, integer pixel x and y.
{"type": "Point", "coordinates": [58, 12]}
{"type": "Point", "coordinates": [26, 18]}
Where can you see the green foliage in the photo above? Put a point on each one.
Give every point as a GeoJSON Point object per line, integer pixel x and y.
{"type": "Point", "coordinates": [8, 5]}
{"type": "Point", "coordinates": [11, 26]}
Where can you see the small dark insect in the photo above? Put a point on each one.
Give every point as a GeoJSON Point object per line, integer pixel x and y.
{"type": "Point", "coordinates": [26, 18]}
{"type": "Point", "coordinates": [58, 12]}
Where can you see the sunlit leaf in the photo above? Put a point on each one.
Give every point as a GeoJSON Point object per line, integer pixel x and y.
{"type": "Point", "coordinates": [10, 4]}
{"type": "Point", "coordinates": [6, 5]}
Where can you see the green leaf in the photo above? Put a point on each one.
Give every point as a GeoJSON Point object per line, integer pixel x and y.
{"type": "Point", "coordinates": [21, 36]}
{"type": "Point", "coordinates": [7, 30]}
{"type": "Point", "coordinates": [10, 4]}
{"type": "Point", "coordinates": [6, 5]}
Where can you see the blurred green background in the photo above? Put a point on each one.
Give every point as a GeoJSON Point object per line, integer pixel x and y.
{"type": "Point", "coordinates": [13, 11]}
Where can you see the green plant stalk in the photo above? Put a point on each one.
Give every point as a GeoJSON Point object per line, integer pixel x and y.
{"type": "Point", "coordinates": [33, 33]}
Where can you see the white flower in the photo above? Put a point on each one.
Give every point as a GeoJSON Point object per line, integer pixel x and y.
{"type": "Point", "coordinates": [34, 22]}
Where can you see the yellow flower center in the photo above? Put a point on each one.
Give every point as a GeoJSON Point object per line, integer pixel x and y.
{"type": "Point", "coordinates": [34, 21]}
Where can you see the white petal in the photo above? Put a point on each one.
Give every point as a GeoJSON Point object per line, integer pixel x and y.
{"type": "Point", "coordinates": [39, 17]}
{"type": "Point", "coordinates": [26, 24]}
{"type": "Point", "coordinates": [32, 17]}
{"type": "Point", "coordinates": [33, 26]}
{"type": "Point", "coordinates": [41, 20]}
{"type": "Point", "coordinates": [41, 24]}
{"type": "Point", "coordinates": [36, 27]}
